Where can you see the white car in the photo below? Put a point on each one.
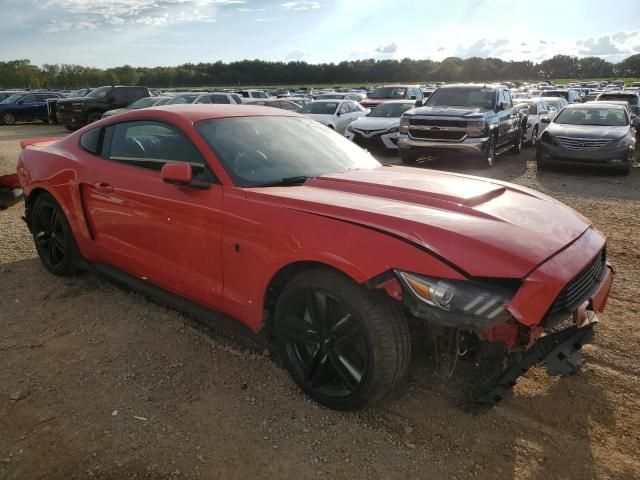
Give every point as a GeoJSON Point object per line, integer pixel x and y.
{"type": "Point", "coordinates": [199, 97]}
{"type": "Point", "coordinates": [335, 114]}
{"type": "Point", "coordinates": [379, 127]}
{"type": "Point", "coordinates": [537, 110]}
{"type": "Point", "coordinates": [555, 103]}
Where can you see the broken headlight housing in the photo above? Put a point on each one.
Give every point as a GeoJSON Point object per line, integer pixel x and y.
{"type": "Point", "coordinates": [465, 304]}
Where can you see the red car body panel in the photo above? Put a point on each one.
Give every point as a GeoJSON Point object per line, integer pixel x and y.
{"type": "Point", "coordinates": [222, 246]}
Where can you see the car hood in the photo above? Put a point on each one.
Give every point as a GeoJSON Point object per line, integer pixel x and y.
{"type": "Point", "coordinates": [77, 99]}
{"type": "Point", "coordinates": [319, 118]}
{"type": "Point", "coordinates": [486, 228]}
{"type": "Point", "coordinates": [375, 123]}
{"type": "Point", "coordinates": [450, 111]}
{"type": "Point", "coordinates": [587, 131]}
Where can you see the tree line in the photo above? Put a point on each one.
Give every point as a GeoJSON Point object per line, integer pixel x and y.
{"type": "Point", "coordinates": [23, 74]}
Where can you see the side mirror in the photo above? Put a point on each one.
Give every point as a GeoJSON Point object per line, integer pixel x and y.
{"type": "Point", "coordinates": [178, 173]}
{"type": "Point", "coordinates": [419, 103]}
{"type": "Point", "coordinates": [635, 121]}
{"type": "Point", "coordinates": [412, 97]}
{"type": "Point", "coordinates": [545, 120]}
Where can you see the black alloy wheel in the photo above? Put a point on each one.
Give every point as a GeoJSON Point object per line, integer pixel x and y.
{"type": "Point", "coordinates": [53, 237]}
{"type": "Point", "coordinates": [490, 151]}
{"type": "Point", "coordinates": [343, 344]}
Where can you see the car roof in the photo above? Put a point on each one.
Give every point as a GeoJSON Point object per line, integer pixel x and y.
{"type": "Point", "coordinates": [619, 93]}
{"type": "Point", "coordinates": [331, 100]}
{"type": "Point", "coordinates": [473, 85]}
{"type": "Point", "coordinates": [198, 112]}
{"type": "Point", "coordinates": [596, 104]}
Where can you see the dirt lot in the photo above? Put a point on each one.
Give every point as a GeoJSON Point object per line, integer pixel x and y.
{"type": "Point", "coordinates": [97, 382]}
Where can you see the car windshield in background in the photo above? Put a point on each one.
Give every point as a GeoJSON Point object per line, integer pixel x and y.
{"type": "Point", "coordinates": [531, 106]}
{"type": "Point", "coordinates": [391, 110]}
{"type": "Point", "coordinates": [330, 96]}
{"type": "Point", "coordinates": [143, 103]}
{"type": "Point", "coordinates": [630, 99]}
{"type": "Point", "coordinates": [100, 92]}
{"type": "Point", "coordinates": [483, 98]}
{"type": "Point", "coordinates": [320, 108]}
{"type": "Point", "coordinates": [388, 92]}
{"type": "Point", "coordinates": [182, 99]}
{"type": "Point", "coordinates": [258, 151]}
{"type": "Point", "coordinates": [13, 98]}
{"type": "Point", "coordinates": [78, 93]}
{"type": "Point", "coordinates": [606, 117]}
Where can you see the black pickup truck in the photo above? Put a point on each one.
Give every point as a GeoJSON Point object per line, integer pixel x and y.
{"type": "Point", "coordinates": [77, 112]}
{"type": "Point", "coordinates": [463, 119]}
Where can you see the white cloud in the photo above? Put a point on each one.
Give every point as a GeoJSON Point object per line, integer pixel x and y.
{"type": "Point", "coordinates": [78, 14]}
{"type": "Point", "coordinates": [297, 56]}
{"type": "Point", "coordinates": [391, 48]}
{"type": "Point", "coordinates": [301, 5]}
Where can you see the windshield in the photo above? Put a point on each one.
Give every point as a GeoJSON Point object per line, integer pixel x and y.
{"type": "Point", "coordinates": [182, 99]}
{"type": "Point", "coordinates": [630, 99]}
{"type": "Point", "coordinates": [483, 98]}
{"type": "Point", "coordinates": [143, 103]}
{"type": "Point", "coordinates": [564, 95]}
{"type": "Point", "coordinates": [13, 98]}
{"type": "Point", "coordinates": [605, 116]}
{"type": "Point", "coordinates": [388, 92]}
{"type": "Point", "coordinates": [331, 96]}
{"type": "Point", "coordinates": [78, 93]}
{"type": "Point", "coordinates": [320, 108]}
{"type": "Point", "coordinates": [391, 110]}
{"type": "Point", "coordinates": [100, 92]}
{"type": "Point", "coordinates": [531, 106]}
{"type": "Point", "coordinates": [261, 150]}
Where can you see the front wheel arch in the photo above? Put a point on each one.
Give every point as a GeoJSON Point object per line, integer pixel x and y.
{"type": "Point", "coordinates": [280, 280]}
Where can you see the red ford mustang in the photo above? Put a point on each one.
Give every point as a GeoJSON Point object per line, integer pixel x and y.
{"type": "Point", "coordinates": [283, 225]}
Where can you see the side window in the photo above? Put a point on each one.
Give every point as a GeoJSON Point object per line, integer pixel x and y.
{"type": "Point", "coordinates": [219, 98]}
{"type": "Point", "coordinates": [29, 99]}
{"type": "Point", "coordinates": [287, 106]}
{"type": "Point", "coordinates": [150, 145]}
{"type": "Point", "coordinates": [418, 94]}
{"type": "Point", "coordinates": [119, 95]}
{"type": "Point", "coordinates": [204, 99]}
{"type": "Point", "coordinates": [344, 108]}
{"type": "Point", "coordinates": [507, 97]}
{"type": "Point", "coordinates": [236, 98]}
{"type": "Point", "coordinates": [90, 141]}
{"type": "Point", "coordinates": [353, 108]}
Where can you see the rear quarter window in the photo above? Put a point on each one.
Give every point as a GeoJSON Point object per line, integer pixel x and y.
{"type": "Point", "coordinates": [90, 141]}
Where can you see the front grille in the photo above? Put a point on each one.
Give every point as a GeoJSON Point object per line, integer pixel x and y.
{"type": "Point", "coordinates": [373, 142]}
{"type": "Point", "coordinates": [436, 122]}
{"type": "Point", "coordinates": [64, 107]}
{"type": "Point", "coordinates": [581, 287]}
{"type": "Point", "coordinates": [572, 143]}
{"type": "Point", "coordinates": [437, 135]}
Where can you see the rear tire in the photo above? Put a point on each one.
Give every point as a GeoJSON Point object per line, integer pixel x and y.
{"type": "Point", "coordinates": [8, 118]}
{"type": "Point", "coordinates": [343, 344]}
{"type": "Point", "coordinates": [517, 145]}
{"type": "Point", "coordinates": [53, 237]}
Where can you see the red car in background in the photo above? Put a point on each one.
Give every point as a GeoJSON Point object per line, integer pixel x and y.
{"type": "Point", "coordinates": [283, 225]}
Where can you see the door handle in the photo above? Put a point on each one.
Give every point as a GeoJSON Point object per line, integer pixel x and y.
{"type": "Point", "coordinates": [103, 187]}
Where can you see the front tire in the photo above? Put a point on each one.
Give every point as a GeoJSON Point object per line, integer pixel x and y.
{"type": "Point", "coordinates": [490, 152]}
{"type": "Point", "coordinates": [8, 118]}
{"type": "Point", "coordinates": [93, 117]}
{"type": "Point", "coordinates": [534, 137]}
{"type": "Point", "coordinates": [53, 238]}
{"type": "Point", "coordinates": [343, 344]}
{"type": "Point", "coordinates": [517, 145]}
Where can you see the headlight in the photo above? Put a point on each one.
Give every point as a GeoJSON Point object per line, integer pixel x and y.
{"type": "Point", "coordinates": [547, 139]}
{"type": "Point", "coordinates": [624, 142]}
{"type": "Point", "coordinates": [393, 130]}
{"type": "Point", "coordinates": [454, 303]}
{"type": "Point", "coordinates": [404, 124]}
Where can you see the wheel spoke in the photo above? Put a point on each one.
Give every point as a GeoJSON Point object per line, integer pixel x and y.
{"type": "Point", "coordinates": [53, 220]}
{"type": "Point", "coordinates": [313, 362]}
{"type": "Point", "coordinates": [317, 307]}
{"type": "Point", "coordinates": [42, 239]}
{"type": "Point", "coordinates": [298, 334]}
{"type": "Point", "coordinates": [59, 245]}
{"type": "Point", "coordinates": [42, 217]}
{"type": "Point", "coordinates": [51, 252]}
{"type": "Point", "coordinates": [348, 374]}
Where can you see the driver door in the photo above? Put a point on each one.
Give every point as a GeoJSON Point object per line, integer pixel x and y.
{"type": "Point", "coordinates": [169, 235]}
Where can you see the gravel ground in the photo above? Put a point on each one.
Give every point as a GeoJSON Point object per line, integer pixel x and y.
{"type": "Point", "coordinates": [101, 383]}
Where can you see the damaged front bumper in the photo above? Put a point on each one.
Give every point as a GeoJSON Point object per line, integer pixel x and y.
{"type": "Point", "coordinates": [560, 353]}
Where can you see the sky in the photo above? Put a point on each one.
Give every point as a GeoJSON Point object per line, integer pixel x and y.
{"type": "Point", "coordinates": [106, 33]}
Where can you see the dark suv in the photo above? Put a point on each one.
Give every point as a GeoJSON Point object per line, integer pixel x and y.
{"type": "Point", "coordinates": [462, 119]}
{"type": "Point", "coordinates": [80, 111]}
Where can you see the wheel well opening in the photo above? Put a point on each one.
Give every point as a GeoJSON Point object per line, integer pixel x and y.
{"type": "Point", "coordinates": [277, 284]}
